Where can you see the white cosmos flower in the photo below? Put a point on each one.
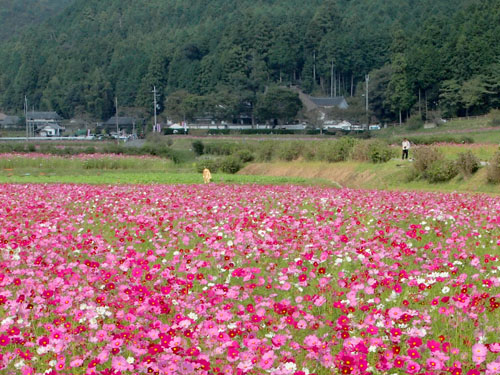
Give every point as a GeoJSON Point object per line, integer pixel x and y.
{"type": "Point", "coordinates": [193, 316]}
{"type": "Point", "coordinates": [290, 366]}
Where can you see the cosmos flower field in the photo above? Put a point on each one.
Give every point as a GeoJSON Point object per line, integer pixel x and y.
{"type": "Point", "coordinates": [247, 279]}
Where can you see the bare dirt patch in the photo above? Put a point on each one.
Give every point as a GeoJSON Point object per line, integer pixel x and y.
{"type": "Point", "coordinates": [343, 174]}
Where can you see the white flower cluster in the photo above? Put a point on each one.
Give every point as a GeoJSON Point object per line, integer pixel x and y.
{"type": "Point", "coordinates": [7, 321]}
{"type": "Point", "coordinates": [193, 316]}
{"type": "Point", "coordinates": [103, 311]}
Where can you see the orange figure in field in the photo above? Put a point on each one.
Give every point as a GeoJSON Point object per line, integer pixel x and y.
{"type": "Point", "coordinates": [207, 176]}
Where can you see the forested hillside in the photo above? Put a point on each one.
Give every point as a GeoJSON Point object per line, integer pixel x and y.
{"type": "Point", "coordinates": [16, 15]}
{"type": "Point", "coordinates": [218, 56]}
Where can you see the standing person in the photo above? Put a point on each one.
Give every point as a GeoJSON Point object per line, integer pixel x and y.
{"type": "Point", "coordinates": [406, 147]}
{"type": "Point", "coordinates": [207, 176]}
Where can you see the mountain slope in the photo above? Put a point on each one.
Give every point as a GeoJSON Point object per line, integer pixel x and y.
{"type": "Point", "coordinates": [16, 15]}
{"type": "Point", "coordinates": [95, 50]}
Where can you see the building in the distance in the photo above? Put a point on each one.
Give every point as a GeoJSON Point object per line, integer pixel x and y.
{"type": "Point", "coordinates": [9, 122]}
{"type": "Point", "coordinates": [45, 124]}
{"type": "Point", "coordinates": [127, 125]}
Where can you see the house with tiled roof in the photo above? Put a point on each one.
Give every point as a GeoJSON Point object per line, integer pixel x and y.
{"type": "Point", "coordinates": [45, 123]}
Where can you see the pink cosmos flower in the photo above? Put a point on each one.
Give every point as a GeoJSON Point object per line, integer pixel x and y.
{"type": "Point", "coordinates": [433, 345]}
{"type": "Point", "coordinates": [434, 364]}
{"type": "Point", "coordinates": [493, 368]}
{"type": "Point", "coordinates": [137, 272]}
{"type": "Point", "coordinates": [372, 330]}
{"type": "Point", "coordinates": [267, 360]}
{"type": "Point", "coordinates": [414, 342]}
{"type": "Point", "coordinates": [119, 363]}
{"type": "Point", "coordinates": [399, 362]}
{"type": "Point", "coordinates": [4, 340]}
{"type": "Point", "coordinates": [232, 354]}
{"type": "Point", "coordinates": [396, 332]}
{"type": "Point", "coordinates": [495, 347]}
{"type": "Point", "coordinates": [412, 367]}
{"type": "Point", "coordinates": [413, 353]}
{"type": "Point", "coordinates": [76, 362]}
{"type": "Point", "coordinates": [478, 359]}
{"type": "Point", "coordinates": [479, 350]}
{"type": "Point", "coordinates": [395, 313]}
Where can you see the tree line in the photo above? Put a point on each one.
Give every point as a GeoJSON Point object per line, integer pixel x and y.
{"type": "Point", "coordinates": [224, 57]}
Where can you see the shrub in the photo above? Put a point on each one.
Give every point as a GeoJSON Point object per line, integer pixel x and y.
{"type": "Point", "coordinates": [494, 117]}
{"type": "Point", "coordinates": [414, 123]}
{"type": "Point", "coordinates": [147, 149]}
{"type": "Point", "coordinates": [245, 155]}
{"type": "Point", "coordinates": [211, 164]}
{"type": "Point", "coordinates": [441, 171]}
{"type": "Point", "coordinates": [198, 147]}
{"type": "Point", "coordinates": [374, 151]}
{"type": "Point", "coordinates": [424, 157]}
{"type": "Point", "coordinates": [310, 151]}
{"type": "Point", "coordinates": [466, 139]}
{"type": "Point", "coordinates": [493, 170]}
{"type": "Point", "coordinates": [113, 149]}
{"type": "Point", "coordinates": [467, 163]}
{"type": "Point", "coordinates": [230, 164]}
{"type": "Point", "coordinates": [70, 151]}
{"type": "Point", "coordinates": [379, 152]}
{"type": "Point", "coordinates": [411, 174]}
{"type": "Point", "coordinates": [178, 156]}
{"type": "Point", "coordinates": [289, 151]}
{"type": "Point", "coordinates": [339, 150]}
{"type": "Point", "coordinates": [361, 151]}
{"type": "Point", "coordinates": [220, 148]}
{"type": "Point", "coordinates": [266, 150]}
{"type": "Point", "coordinates": [89, 150]}
{"type": "Point", "coordinates": [154, 138]}
{"type": "Point", "coordinates": [361, 134]}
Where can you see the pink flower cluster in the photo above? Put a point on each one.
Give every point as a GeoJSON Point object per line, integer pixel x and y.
{"type": "Point", "coordinates": [42, 156]}
{"type": "Point", "coordinates": [104, 280]}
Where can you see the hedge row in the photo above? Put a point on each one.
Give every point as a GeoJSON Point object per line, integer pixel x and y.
{"type": "Point", "coordinates": [343, 149]}
{"type": "Point", "coordinates": [160, 150]}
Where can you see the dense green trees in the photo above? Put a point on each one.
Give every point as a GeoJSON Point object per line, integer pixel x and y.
{"type": "Point", "coordinates": [278, 104]}
{"type": "Point", "coordinates": [17, 15]}
{"type": "Point", "coordinates": [217, 57]}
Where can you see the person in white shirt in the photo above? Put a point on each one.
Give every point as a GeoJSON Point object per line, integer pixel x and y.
{"type": "Point", "coordinates": [406, 147]}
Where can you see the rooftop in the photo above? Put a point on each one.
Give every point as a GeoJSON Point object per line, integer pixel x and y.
{"type": "Point", "coordinates": [43, 116]}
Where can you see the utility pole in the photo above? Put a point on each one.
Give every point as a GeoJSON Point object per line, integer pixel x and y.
{"type": "Point", "coordinates": [331, 81]}
{"type": "Point", "coordinates": [32, 122]}
{"type": "Point", "coordinates": [314, 67]}
{"type": "Point", "coordinates": [154, 103]}
{"type": "Point", "coordinates": [367, 79]}
{"type": "Point", "coordinates": [26, 116]}
{"type": "Point", "coordinates": [116, 119]}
